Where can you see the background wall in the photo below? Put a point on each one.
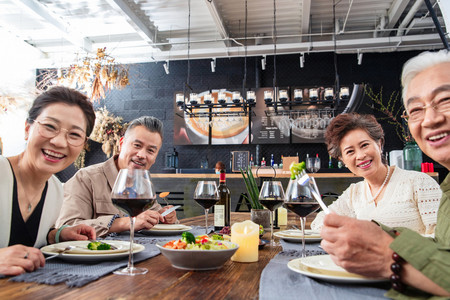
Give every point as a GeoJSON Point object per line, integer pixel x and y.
{"type": "Point", "coordinates": [152, 93]}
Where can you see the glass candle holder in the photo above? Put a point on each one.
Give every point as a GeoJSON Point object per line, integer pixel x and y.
{"type": "Point", "coordinates": [251, 97]}
{"type": "Point", "coordinates": [193, 98]}
{"type": "Point", "coordinates": [283, 95]}
{"type": "Point", "coordinates": [179, 99]}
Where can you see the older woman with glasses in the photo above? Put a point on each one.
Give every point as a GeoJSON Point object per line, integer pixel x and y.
{"type": "Point", "coordinates": [56, 130]}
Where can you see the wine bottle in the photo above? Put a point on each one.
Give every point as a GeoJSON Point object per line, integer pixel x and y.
{"type": "Point", "coordinates": [222, 210]}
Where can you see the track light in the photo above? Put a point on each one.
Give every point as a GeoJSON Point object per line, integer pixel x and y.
{"type": "Point", "coordinates": [213, 65]}
{"type": "Point", "coordinates": [302, 60]}
{"type": "Point", "coordinates": [263, 62]}
{"type": "Point", "coordinates": [166, 67]}
{"type": "Point", "coordinates": [360, 56]}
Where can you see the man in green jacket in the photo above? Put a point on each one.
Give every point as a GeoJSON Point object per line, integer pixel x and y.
{"type": "Point", "coordinates": [418, 267]}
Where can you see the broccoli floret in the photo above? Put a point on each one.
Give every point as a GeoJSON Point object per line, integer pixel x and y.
{"type": "Point", "coordinates": [217, 237]}
{"type": "Point", "coordinates": [104, 246]}
{"type": "Point", "coordinates": [99, 246]}
{"type": "Point", "coordinates": [188, 237]}
{"type": "Point", "coordinates": [93, 245]}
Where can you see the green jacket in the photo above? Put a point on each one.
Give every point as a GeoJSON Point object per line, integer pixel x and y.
{"type": "Point", "coordinates": [429, 256]}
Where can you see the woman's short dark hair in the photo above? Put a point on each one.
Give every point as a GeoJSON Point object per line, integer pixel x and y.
{"type": "Point", "coordinates": [344, 123]}
{"type": "Point", "coordinates": [61, 94]}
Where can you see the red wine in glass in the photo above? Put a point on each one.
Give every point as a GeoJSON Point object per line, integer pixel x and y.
{"type": "Point", "coordinates": [134, 192]}
{"type": "Point", "coordinates": [133, 206]}
{"type": "Point", "coordinates": [206, 203]}
{"type": "Point", "coordinates": [206, 195]}
{"type": "Point", "coordinates": [302, 209]}
{"type": "Point", "coordinates": [272, 205]}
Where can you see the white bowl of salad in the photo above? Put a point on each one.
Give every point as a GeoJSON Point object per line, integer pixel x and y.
{"type": "Point", "coordinates": [199, 253]}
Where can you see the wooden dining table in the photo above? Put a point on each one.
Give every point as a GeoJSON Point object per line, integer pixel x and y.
{"type": "Point", "coordinates": [232, 281]}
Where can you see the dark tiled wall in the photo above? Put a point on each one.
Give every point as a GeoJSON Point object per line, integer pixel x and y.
{"type": "Point", "coordinates": [152, 93]}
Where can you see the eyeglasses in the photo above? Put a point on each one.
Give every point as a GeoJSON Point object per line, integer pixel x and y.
{"type": "Point", "coordinates": [50, 129]}
{"type": "Point", "coordinates": [417, 113]}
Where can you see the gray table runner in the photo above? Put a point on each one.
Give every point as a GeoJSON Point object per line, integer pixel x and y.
{"type": "Point", "coordinates": [79, 274]}
{"type": "Point", "coordinates": [278, 281]}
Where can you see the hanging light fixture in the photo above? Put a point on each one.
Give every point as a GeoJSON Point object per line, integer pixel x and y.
{"type": "Point", "coordinates": [166, 67]}
{"type": "Point", "coordinates": [213, 65]}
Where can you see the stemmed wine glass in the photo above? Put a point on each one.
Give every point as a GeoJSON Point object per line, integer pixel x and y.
{"type": "Point", "coordinates": [133, 191]}
{"type": "Point", "coordinates": [206, 195]}
{"type": "Point", "coordinates": [313, 164]}
{"type": "Point", "coordinates": [300, 201]}
{"type": "Point", "coordinates": [272, 197]}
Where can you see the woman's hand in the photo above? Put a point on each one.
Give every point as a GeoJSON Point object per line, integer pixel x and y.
{"type": "Point", "coordinates": [17, 259]}
{"type": "Point", "coordinates": [171, 218]}
{"type": "Point", "coordinates": [358, 246]}
{"type": "Point", "coordinates": [79, 232]}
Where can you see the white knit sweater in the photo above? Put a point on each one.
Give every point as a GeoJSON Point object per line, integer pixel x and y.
{"type": "Point", "coordinates": [411, 200]}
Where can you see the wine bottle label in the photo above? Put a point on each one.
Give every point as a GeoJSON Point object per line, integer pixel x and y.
{"type": "Point", "coordinates": [219, 215]}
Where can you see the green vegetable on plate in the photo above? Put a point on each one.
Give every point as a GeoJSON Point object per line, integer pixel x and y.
{"type": "Point", "coordinates": [98, 246]}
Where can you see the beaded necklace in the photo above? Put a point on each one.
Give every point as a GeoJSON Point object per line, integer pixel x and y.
{"type": "Point", "coordinates": [384, 183]}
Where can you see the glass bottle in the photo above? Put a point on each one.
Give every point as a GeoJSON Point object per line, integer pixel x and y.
{"type": "Point", "coordinates": [412, 156]}
{"type": "Point", "coordinates": [222, 210]}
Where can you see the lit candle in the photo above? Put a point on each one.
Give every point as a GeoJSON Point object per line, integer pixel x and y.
{"type": "Point", "coordinates": [236, 97]}
{"type": "Point", "coordinates": [251, 96]}
{"type": "Point", "coordinates": [193, 98]}
{"type": "Point", "coordinates": [313, 93]}
{"type": "Point", "coordinates": [180, 99]}
{"type": "Point", "coordinates": [268, 95]}
{"type": "Point", "coordinates": [221, 96]}
{"type": "Point", "coordinates": [246, 235]}
{"type": "Point", "coordinates": [283, 95]}
{"type": "Point", "coordinates": [344, 92]}
{"type": "Point", "coordinates": [298, 94]}
{"type": "Point", "coordinates": [207, 98]}
{"type": "Point", "coordinates": [329, 92]}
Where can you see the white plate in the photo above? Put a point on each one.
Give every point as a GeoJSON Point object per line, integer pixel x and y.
{"type": "Point", "coordinates": [167, 229]}
{"type": "Point", "coordinates": [295, 236]}
{"type": "Point", "coordinates": [81, 254]}
{"type": "Point", "coordinates": [297, 265]}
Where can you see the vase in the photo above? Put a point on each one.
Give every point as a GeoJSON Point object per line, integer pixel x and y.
{"type": "Point", "coordinates": [412, 156]}
{"type": "Point", "coordinates": [261, 217]}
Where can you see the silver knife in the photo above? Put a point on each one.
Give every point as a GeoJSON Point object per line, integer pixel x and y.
{"type": "Point", "coordinates": [165, 213]}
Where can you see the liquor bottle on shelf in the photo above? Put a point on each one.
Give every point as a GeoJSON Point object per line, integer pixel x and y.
{"type": "Point", "coordinates": [280, 165]}
{"type": "Point", "coordinates": [272, 161]}
{"type": "Point", "coordinates": [263, 162]}
{"type": "Point", "coordinates": [251, 163]}
{"type": "Point", "coordinates": [330, 162]}
{"type": "Point", "coordinates": [222, 210]}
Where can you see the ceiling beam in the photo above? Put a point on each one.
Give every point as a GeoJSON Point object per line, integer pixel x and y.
{"type": "Point", "coordinates": [217, 17]}
{"type": "Point", "coordinates": [379, 44]}
{"type": "Point", "coordinates": [305, 14]}
{"type": "Point", "coordinates": [143, 25]}
{"type": "Point", "coordinates": [393, 15]}
{"type": "Point", "coordinates": [68, 32]}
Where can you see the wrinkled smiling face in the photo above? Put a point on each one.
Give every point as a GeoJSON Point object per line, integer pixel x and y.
{"type": "Point", "coordinates": [139, 149]}
{"type": "Point", "coordinates": [360, 153]}
{"type": "Point", "coordinates": [432, 134]}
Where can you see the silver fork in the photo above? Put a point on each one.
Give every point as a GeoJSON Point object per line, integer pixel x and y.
{"type": "Point", "coordinates": [60, 252]}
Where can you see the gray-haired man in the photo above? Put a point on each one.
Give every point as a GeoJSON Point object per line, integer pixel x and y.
{"type": "Point", "coordinates": [87, 195]}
